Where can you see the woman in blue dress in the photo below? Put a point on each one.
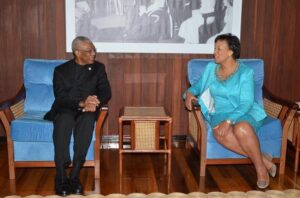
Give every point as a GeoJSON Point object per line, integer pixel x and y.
{"type": "Point", "coordinates": [232, 112]}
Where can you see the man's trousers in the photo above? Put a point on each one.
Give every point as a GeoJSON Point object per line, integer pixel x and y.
{"type": "Point", "coordinates": [82, 126]}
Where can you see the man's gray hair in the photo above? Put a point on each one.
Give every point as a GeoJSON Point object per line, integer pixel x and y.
{"type": "Point", "coordinates": [78, 40]}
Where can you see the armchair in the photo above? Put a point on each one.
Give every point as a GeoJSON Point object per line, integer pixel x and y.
{"type": "Point", "coordinates": [272, 135]}
{"type": "Point", "coordinates": [29, 136]}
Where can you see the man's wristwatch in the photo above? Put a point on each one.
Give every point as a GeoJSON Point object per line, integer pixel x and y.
{"type": "Point", "coordinates": [80, 106]}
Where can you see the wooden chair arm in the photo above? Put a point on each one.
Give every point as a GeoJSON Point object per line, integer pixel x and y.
{"type": "Point", "coordinates": [100, 120]}
{"type": "Point", "coordinates": [6, 124]}
{"type": "Point", "coordinates": [98, 133]}
{"type": "Point", "coordinates": [270, 96]}
{"type": "Point", "coordinates": [278, 107]}
{"type": "Point", "coordinates": [16, 98]}
{"type": "Point", "coordinates": [13, 107]}
{"type": "Point", "coordinates": [201, 127]}
{"type": "Point", "coordinates": [201, 135]}
{"type": "Point", "coordinates": [6, 113]}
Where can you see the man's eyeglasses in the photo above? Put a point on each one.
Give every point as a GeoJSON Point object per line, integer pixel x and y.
{"type": "Point", "coordinates": [88, 51]}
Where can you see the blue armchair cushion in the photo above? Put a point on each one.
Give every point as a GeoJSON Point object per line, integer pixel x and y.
{"type": "Point", "coordinates": [269, 134]}
{"type": "Point", "coordinates": [31, 127]}
{"type": "Point", "coordinates": [42, 151]}
{"type": "Point", "coordinates": [38, 82]}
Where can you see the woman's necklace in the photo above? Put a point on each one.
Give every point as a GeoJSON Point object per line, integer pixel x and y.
{"type": "Point", "coordinates": [223, 78]}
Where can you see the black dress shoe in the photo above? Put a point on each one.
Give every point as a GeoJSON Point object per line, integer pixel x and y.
{"type": "Point", "coordinates": [76, 187]}
{"type": "Point", "coordinates": [62, 187]}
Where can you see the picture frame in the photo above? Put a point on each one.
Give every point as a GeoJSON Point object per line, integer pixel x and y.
{"type": "Point", "coordinates": [157, 26]}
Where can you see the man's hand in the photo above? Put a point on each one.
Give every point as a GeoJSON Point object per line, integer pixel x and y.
{"type": "Point", "coordinates": [90, 104]}
{"type": "Point", "coordinates": [89, 108]}
{"type": "Point", "coordinates": [188, 100]}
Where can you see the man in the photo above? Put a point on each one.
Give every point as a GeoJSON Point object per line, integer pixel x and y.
{"type": "Point", "coordinates": [80, 88]}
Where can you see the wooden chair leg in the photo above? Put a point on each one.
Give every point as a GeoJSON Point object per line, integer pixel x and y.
{"type": "Point", "coordinates": [97, 186]}
{"type": "Point", "coordinates": [12, 174]}
{"type": "Point", "coordinates": [120, 163]}
{"type": "Point", "coordinates": [297, 147]}
{"type": "Point", "coordinates": [11, 163]}
{"type": "Point", "coordinates": [282, 161]}
{"type": "Point", "coordinates": [12, 186]}
{"type": "Point", "coordinates": [202, 168]}
{"type": "Point", "coordinates": [202, 184]}
{"type": "Point", "coordinates": [297, 159]}
{"type": "Point", "coordinates": [97, 169]}
{"type": "Point", "coordinates": [169, 164]}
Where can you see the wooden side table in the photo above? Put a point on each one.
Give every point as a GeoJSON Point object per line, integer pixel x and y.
{"type": "Point", "coordinates": [145, 134]}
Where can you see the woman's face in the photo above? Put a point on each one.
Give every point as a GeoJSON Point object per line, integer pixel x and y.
{"type": "Point", "coordinates": [222, 51]}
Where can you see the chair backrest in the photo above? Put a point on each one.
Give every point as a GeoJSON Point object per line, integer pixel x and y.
{"type": "Point", "coordinates": [197, 66]}
{"type": "Point", "coordinates": [38, 82]}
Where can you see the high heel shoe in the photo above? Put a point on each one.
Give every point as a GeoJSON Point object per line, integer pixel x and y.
{"type": "Point", "coordinates": [263, 184]}
{"type": "Point", "coordinates": [273, 170]}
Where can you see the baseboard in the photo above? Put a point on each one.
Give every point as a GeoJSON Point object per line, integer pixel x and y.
{"type": "Point", "coordinates": [112, 141]}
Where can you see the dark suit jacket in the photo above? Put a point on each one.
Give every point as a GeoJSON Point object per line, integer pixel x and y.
{"type": "Point", "coordinates": [70, 89]}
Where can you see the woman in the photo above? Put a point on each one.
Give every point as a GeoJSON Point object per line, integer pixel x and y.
{"type": "Point", "coordinates": [234, 116]}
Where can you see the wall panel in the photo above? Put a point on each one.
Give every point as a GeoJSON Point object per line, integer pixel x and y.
{"type": "Point", "coordinates": [36, 29]}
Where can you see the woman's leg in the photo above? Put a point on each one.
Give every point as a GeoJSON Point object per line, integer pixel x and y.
{"type": "Point", "coordinates": [232, 141]}
{"type": "Point", "coordinates": [250, 145]}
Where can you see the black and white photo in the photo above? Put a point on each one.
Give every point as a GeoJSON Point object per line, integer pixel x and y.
{"type": "Point", "coordinates": [152, 26]}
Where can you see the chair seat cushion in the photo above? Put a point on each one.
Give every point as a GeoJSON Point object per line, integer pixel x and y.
{"type": "Point", "coordinates": [42, 151]}
{"type": "Point", "coordinates": [31, 127]}
{"type": "Point", "coordinates": [32, 137]}
{"type": "Point", "coordinates": [269, 136]}
{"type": "Point", "coordinates": [271, 129]}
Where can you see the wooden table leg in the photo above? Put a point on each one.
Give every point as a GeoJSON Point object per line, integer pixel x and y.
{"type": "Point", "coordinates": [169, 146]}
{"type": "Point", "coordinates": [120, 146]}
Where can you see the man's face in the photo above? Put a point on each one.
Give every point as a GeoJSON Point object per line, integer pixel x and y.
{"type": "Point", "coordinates": [85, 53]}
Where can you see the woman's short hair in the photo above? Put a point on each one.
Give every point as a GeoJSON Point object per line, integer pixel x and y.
{"type": "Point", "coordinates": [233, 43]}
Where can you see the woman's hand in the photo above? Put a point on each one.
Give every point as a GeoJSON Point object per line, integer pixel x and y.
{"type": "Point", "coordinates": [222, 129]}
{"type": "Point", "coordinates": [188, 100]}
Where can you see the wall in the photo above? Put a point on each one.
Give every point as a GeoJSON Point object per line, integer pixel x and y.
{"type": "Point", "coordinates": [36, 29]}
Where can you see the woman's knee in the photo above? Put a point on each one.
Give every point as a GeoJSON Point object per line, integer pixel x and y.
{"type": "Point", "coordinates": [242, 130]}
{"type": "Point", "coordinates": [221, 138]}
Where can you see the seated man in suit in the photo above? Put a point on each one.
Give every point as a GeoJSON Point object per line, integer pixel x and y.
{"type": "Point", "coordinates": [80, 88]}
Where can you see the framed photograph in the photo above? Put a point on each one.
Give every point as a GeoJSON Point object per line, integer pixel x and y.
{"type": "Point", "coordinates": [152, 26]}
